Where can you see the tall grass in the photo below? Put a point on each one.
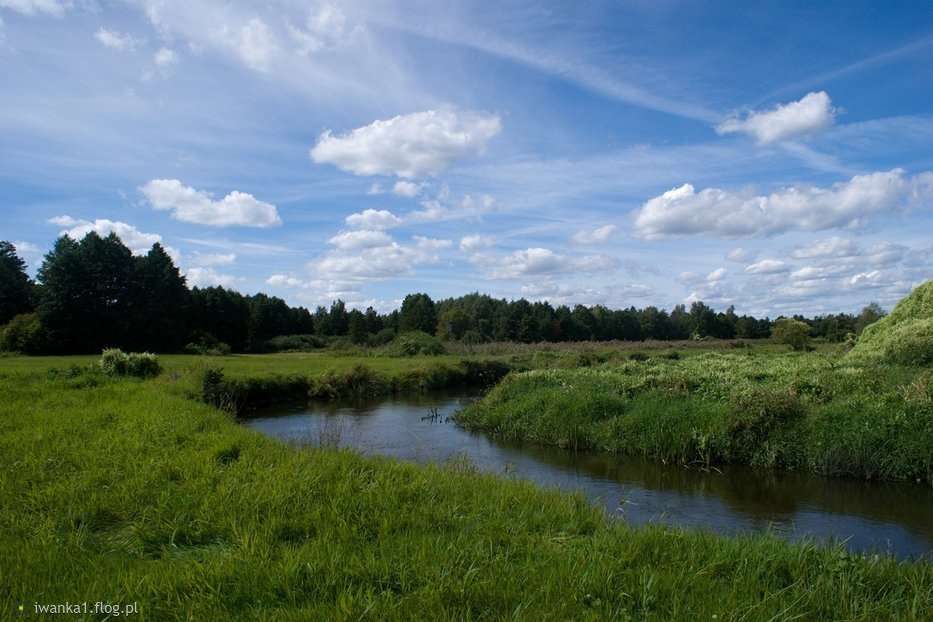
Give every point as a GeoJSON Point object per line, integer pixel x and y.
{"type": "Point", "coordinates": [125, 491]}
{"type": "Point", "coordinates": [793, 411]}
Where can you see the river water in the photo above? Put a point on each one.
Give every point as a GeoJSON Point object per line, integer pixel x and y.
{"type": "Point", "coordinates": [868, 517]}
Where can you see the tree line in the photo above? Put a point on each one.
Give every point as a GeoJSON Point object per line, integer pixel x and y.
{"type": "Point", "coordinates": [93, 293]}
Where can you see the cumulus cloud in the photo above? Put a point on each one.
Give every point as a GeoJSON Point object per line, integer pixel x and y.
{"type": "Point", "coordinates": [115, 40]}
{"type": "Point", "coordinates": [134, 239]}
{"type": "Point", "coordinates": [406, 188]}
{"type": "Point", "coordinates": [475, 242]}
{"type": "Point", "coordinates": [363, 238]}
{"type": "Point", "coordinates": [325, 27]}
{"type": "Point", "coordinates": [683, 211]}
{"type": "Point", "coordinates": [830, 247]}
{"type": "Point", "coordinates": [716, 275]}
{"type": "Point", "coordinates": [255, 44]}
{"type": "Point", "coordinates": [208, 277]}
{"type": "Point", "coordinates": [810, 114]}
{"type": "Point", "coordinates": [596, 236]}
{"type": "Point", "coordinates": [431, 244]}
{"type": "Point", "coordinates": [55, 8]}
{"type": "Point", "coordinates": [373, 219]}
{"type": "Point", "coordinates": [190, 205]}
{"type": "Point", "coordinates": [380, 262]}
{"type": "Point", "coordinates": [443, 208]}
{"type": "Point", "coordinates": [539, 261]}
{"type": "Point", "coordinates": [767, 266]}
{"type": "Point", "coordinates": [412, 145]}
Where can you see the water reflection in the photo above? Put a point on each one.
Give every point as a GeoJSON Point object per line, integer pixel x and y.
{"type": "Point", "coordinates": [894, 518]}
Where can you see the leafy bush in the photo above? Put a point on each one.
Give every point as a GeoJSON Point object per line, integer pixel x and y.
{"type": "Point", "coordinates": [792, 332]}
{"type": "Point", "coordinates": [383, 337]}
{"type": "Point", "coordinates": [294, 343]}
{"type": "Point", "coordinates": [905, 336]}
{"type": "Point", "coordinates": [206, 344]}
{"type": "Point", "coordinates": [116, 362]}
{"type": "Point", "coordinates": [414, 343]}
{"type": "Point", "coordinates": [24, 333]}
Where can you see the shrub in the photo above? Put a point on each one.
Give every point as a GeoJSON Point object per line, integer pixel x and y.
{"type": "Point", "coordinates": [24, 333]}
{"type": "Point", "coordinates": [757, 415]}
{"type": "Point", "coordinates": [206, 344]}
{"type": "Point", "coordinates": [383, 337]}
{"type": "Point", "coordinates": [792, 332]}
{"type": "Point", "coordinates": [905, 336]}
{"type": "Point", "coordinates": [414, 343]}
{"type": "Point", "coordinates": [116, 362]}
{"type": "Point", "coordinates": [638, 356]}
{"type": "Point", "coordinates": [294, 343]}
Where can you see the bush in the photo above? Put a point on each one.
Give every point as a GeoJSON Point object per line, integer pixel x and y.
{"type": "Point", "coordinates": [791, 332]}
{"type": "Point", "coordinates": [294, 343]}
{"type": "Point", "coordinates": [24, 333]}
{"type": "Point", "coordinates": [207, 344]}
{"type": "Point", "coordinates": [905, 336]}
{"type": "Point", "coordinates": [414, 343]}
{"type": "Point", "coordinates": [383, 337]}
{"type": "Point", "coordinates": [116, 362]}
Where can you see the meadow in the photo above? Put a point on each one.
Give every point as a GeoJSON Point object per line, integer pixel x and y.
{"type": "Point", "coordinates": [126, 490]}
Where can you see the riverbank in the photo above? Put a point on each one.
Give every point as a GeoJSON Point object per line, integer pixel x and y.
{"type": "Point", "coordinates": [797, 411]}
{"type": "Point", "coordinates": [127, 491]}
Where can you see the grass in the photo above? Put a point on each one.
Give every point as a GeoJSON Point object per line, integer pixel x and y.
{"type": "Point", "coordinates": [810, 412]}
{"type": "Point", "coordinates": [125, 491]}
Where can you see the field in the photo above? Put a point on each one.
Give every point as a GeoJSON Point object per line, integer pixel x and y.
{"type": "Point", "coordinates": [130, 491]}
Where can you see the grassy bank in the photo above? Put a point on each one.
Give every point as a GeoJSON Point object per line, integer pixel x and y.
{"type": "Point", "coordinates": [795, 411]}
{"type": "Point", "coordinates": [125, 491]}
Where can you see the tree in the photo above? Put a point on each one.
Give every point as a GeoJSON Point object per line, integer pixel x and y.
{"type": "Point", "coordinates": [160, 303]}
{"type": "Point", "coordinates": [869, 315]}
{"type": "Point", "coordinates": [356, 327]}
{"type": "Point", "coordinates": [791, 332]}
{"type": "Point", "coordinates": [452, 323]}
{"type": "Point", "coordinates": [87, 293]}
{"type": "Point", "coordinates": [418, 313]}
{"type": "Point", "coordinates": [15, 286]}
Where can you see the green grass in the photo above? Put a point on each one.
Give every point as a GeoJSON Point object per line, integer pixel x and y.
{"type": "Point", "coordinates": [125, 491]}
{"type": "Point", "coordinates": [809, 412]}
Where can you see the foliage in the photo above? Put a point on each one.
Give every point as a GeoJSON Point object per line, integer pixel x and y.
{"type": "Point", "coordinates": [130, 491]}
{"type": "Point", "coordinates": [793, 333]}
{"type": "Point", "coordinates": [15, 286]}
{"type": "Point", "coordinates": [24, 333]}
{"type": "Point", "coordinates": [798, 411]}
{"type": "Point", "coordinates": [418, 314]}
{"type": "Point", "coordinates": [905, 336]}
{"type": "Point", "coordinates": [294, 343]}
{"type": "Point", "coordinates": [116, 362]}
{"type": "Point", "coordinates": [415, 343]}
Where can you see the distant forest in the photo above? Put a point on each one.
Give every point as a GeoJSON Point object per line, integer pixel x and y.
{"type": "Point", "coordinates": [94, 293]}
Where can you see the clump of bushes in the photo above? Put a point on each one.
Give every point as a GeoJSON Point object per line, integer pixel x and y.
{"type": "Point", "coordinates": [116, 362]}
{"type": "Point", "coordinates": [904, 337]}
{"type": "Point", "coordinates": [793, 333]}
{"type": "Point", "coordinates": [207, 344]}
{"type": "Point", "coordinates": [359, 382]}
{"type": "Point", "coordinates": [24, 333]}
{"type": "Point", "coordinates": [294, 343]}
{"type": "Point", "coordinates": [415, 343]}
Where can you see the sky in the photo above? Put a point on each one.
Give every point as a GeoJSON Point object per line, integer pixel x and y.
{"type": "Point", "coordinates": [778, 158]}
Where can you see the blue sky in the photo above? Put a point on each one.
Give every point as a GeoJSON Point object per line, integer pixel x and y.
{"type": "Point", "coordinates": [777, 158]}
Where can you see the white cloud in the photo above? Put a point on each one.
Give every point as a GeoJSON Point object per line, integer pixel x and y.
{"type": "Point", "coordinates": [25, 248]}
{"type": "Point", "coordinates": [412, 145]}
{"type": "Point", "coordinates": [115, 40]}
{"type": "Point", "coordinates": [740, 255]}
{"type": "Point", "coordinates": [475, 242]}
{"type": "Point", "coordinates": [363, 238]}
{"type": "Point", "coordinates": [830, 247]}
{"type": "Point", "coordinates": [716, 275]}
{"type": "Point", "coordinates": [190, 205]}
{"type": "Point", "coordinates": [867, 279]}
{"type": "Point", "coordinates": [208, 277]}
{"type": "Point", "coordinates": [431, 244]}
{"type": "Point", "coordinates": [811, 113]}
{"type": "Point", "coordinates": [56, 8]}
{"type": "Point", "coordinates": [373, 219]}
{"type": "Point", "coordinates": [325, 27]}
{"type": "Point", "coordinates": [596, 236]}
{"type": "Point", "coordinates": [255, 44]}
{"type": "Point", "coordinates": [683, 211]}
{"type": "Point", "coordinates": [375, 189]}
{"type": "Point", "coordinates": [406, 188]}
{"type": "Point", "coordinates": [767, 266]}
{"type": "Point", "coordinates": [284, 280]}
{"type": "Point", "coordinates": [375, 263]}
{"type": "Point", "coordinates": [205, 260]}
{"type": "Point", "coordinates": [539, 261]}
{"type": "Point", "coordinates": [165, 58]}
{"type": "Point", "coordinates": [134, 239]}
{"type": "Point", "coordinates": [442, 208]}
